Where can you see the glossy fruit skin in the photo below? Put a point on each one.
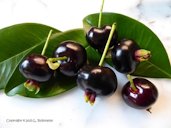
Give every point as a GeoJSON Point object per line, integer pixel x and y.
{"type": "Point", "coordinates": [144, 97]}
{"type": "Point", "coordinates": [76, 57]}
{"type": "Point", "coordinates": [34, 67]}
{"type": "Point", "coordinates": [123, 56]}
{"type": "Point", "coordinates": [100, 80]}
{"type": "Point", "coordinates": [97, 37]}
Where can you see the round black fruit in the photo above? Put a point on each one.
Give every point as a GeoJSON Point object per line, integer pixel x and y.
{"type": "Point", "coordinates": [34, 67]}
{"type": "Point", "coordinates": [96, 81]}
{"type": "Point", "coordinates": [123, 56]}
{"type": "Point", "coordinates": [75, 54]}
{"type": "Point", "coordinates": [143, 97]}
{"type": "Point", "coordinates": [97, 37]}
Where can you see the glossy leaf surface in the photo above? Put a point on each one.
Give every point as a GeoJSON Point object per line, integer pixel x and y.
{"type": "Point", "coordinates": [14, 80]}
{"type": "Point", "coordinates": [158, 66]}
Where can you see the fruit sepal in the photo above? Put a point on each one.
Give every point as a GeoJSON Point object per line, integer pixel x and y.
{"type": "Point", "coordinates": [32, 85]}
{"type": "Point", "coordinates": [142, 55]}
{"type": "Point", "coordinates": [90, 97]}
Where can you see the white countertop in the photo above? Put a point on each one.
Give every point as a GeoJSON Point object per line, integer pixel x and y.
{"type": "Point", "coordinates": [69, 109]}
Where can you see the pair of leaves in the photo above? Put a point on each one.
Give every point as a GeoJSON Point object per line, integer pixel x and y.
{"type": "Point", "coordinates": [27, 39]}
{"type": "Point", "coordinates": [18, 41]}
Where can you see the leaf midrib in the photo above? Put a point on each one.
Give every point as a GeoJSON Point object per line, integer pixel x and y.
{"type": "Point", "coordinates": [157, 67]}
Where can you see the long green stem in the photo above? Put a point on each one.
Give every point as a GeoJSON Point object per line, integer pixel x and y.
{"type": "Point", "coordinates": [107, 44]}
{"type": "Point", "coordinates": [100, 15]}
{"type": "Point", "coordinates": [46, 43]}
{"type": "Point", "coordinates": [131, 82]}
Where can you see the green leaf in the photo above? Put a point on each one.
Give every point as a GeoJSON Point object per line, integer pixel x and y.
{"type": "Point", "coordinates": [15, 42]}
{"type": "Point", "coordinates": [158, 66]}
{"type": "Point", "coordinates": [58, 84]}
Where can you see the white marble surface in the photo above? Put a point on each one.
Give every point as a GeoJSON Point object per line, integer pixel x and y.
{"type": "Point", "coordinates": [69, 110]}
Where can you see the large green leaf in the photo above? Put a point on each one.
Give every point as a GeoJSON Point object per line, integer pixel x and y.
{"type": "Point", "coordinates": [20, 40]}
{"type": "Point", "coordinates": [158, 66]}
{"type": "Point", "coordinates": [15, 42]}
{"type": "Point", "coordinates": [59, 83]}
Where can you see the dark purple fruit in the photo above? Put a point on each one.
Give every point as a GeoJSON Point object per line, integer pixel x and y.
{"type": "Point", "coordinates": [76, 57]}
{"type": "Point", "coordinates": [96, 81]}
{"type": "Point", "coordinates": [123, 56]}
{"type": "Point", "coordinates": [143, 97]}
{"type": "Point", "coordinates": [97, 37]}
{"type": "Point", "coordinates": [34, 67]}
{"type": "Point", "coordinates": [126, 55]}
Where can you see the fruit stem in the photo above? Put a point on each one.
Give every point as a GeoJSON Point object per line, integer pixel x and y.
{"type": "Point", "coordinates": [149, 110]}
{"type": "Point", "coordinates": [107, 44]}
{"type": "Point", "coordinates": [100, 15]}
{"type": "Point", "coordinates": [132, 83]}
{"type": "Point", "coordinates": [46, 43]}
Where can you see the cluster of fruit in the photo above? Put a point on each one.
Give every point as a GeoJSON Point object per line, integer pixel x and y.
{"type": "Point", "coordinates": [70, 58]}
{"type": "Point", "coordinates": [126, 54]}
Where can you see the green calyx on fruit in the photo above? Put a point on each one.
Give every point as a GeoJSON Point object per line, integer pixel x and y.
{"type": "Point", "coordinates": [32, 85]}
{"type": "Point", "coordinates": [90, 96]}
{"type": "Point", "coordinates": [142, 55]}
